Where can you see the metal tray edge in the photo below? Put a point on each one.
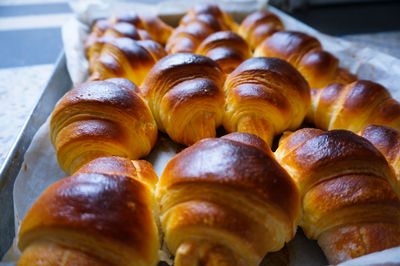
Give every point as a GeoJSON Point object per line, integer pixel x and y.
{"type": "Point", "coordinates": [57, 85]}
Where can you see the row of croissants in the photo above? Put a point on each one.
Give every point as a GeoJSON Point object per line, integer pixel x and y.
{"type": "Point", "coordinates": [222, 201]}
{"type": "Point", "coordinates": [128, 45]}
{"type": "Point", "coordinates": [227, 200]}
{"type": "Point", "coordinates": [186, 96]}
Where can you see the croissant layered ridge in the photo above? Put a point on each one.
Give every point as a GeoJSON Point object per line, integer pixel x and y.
{"type": "Point", "coordinates": [259, 25]}
{"type": "Point", "coordinates": [101, 118]}
{"type": "Point", "coordinates": [185, 93]}
{"type": "Point", "coordinates": [350, 199]}
{"type": "Point", "coordinates": [265, 96]}
{"type": "Point", "coordinates": [131, 25]}
{"type": "Point", "coordinates": [218, 209]}
{"type": "Point", "coordinates": [353, 106]}
{"type": "Point", "coordinates": [104, 214]}
{"type": "Point", "coordinates": [227, 48]}
{"type": "Point", "coordinates": [123, 57]}
{"type": "Point", "coordinates": [198, 23]}
{"type": "Point", "coordinates": [319, 67]}
{"type": "Point", "coordinates": [387, 141]}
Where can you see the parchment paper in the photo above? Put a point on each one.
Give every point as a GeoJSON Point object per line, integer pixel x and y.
{"type": "Point", "coordinates": [40, 168]}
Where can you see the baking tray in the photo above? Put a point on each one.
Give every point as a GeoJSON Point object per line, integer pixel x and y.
{"type": "Point", "coordinates": [58, 84]}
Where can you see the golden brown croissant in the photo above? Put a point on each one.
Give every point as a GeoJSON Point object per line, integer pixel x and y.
{"type": "Point", "coordinates": [98, 29]}
{"type": "Point", "coordinates": [123, 29]}
{"type": "Point", "coordinates": [106, 29]}
{"type": "Point", "coordinates": [353, 106]}
{"type": "Point", "coordinates": [304, 52]}
{"type": "Point", "coordinates": [265, 96]}
{"type": "Point", "coordinates": [226, 48]}
{"type": "Point", "coordinates": [101, 215]}
{"type": "Point", "coordinates": [226, 202]}
{"type": "Point", "coordinates": [123, 57]}
{"type": "Point", "coordinates": [259, 25]}
{"type": "Point", "coordinates": [387, 141]}
{"type": "Point", "coordinates": [101, 118]}
{"type": "Point", "coordinates": [154, 26]}
{"type": "Point", "coordinates": [130, 25]}
{"type": "Point", "coordinates": [200, 21]}
{"type": "Point", "coordinates": [184, 92]}
{"type": "Point", "coordinates": [347, 188]}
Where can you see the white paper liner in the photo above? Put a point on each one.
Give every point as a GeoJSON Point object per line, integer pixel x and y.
{"type": "Point", "coordinates": [40, 168]}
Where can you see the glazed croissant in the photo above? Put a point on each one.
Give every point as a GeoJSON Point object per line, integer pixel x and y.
{"type": "Point", "coordinates": [101, 215]}
{"type": "Point", "coordinates": [184, 92]}
{"type": "Point", "coordinates": [124, 58]}
{"type": "Point", "coordinates": [112, 57]}
{"type": "Point", "coordinates": [155, 27]}
{"type": "Point", "coordinates": [353, 106]}
{"type": "Point", "coordinates": [387, 141]}
{"type": "Point", "coordinates": [130, 25]}
{"type": "Point", "coordinates": [259, 25]}
{"type": "Point", "coordinates": [104, 28]}
{"type": "Point", "coordinates": [217, 208]}
{"type": "Point", "coordinates": [200, 21]}
{"type": "Point", "coordinates": [101, 118]}
{"type": "Point", "coordinates": [226, 48]}
{"type": "Point", "coordinates": [265, 96]}
{"type": "Point", "coordinates": [347, 188]}
{"type": "Point", "coordinates": [304, 52]}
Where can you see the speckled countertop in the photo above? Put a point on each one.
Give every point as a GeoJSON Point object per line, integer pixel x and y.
{"type": "Point", "coordinates": [20, 89]}
{"type": "Point", "coordinates": [29, 63]}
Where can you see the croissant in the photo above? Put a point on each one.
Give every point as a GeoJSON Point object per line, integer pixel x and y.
{"type": "Point", "coordinates": [217, 208]}
{"type": "Point", "coordinates": [184, 92]}
{"type": "Point", "coordinates": [106, 29]}
{"type": "Point", "coordinates": [259, 25]}
{"type": "Point", "coordinates": [200, 21]}
{"type": "Point", "coordinates": [100, 26]}
{"type": "Point", "coordinates": [265, 96]}
{"type": "Point", "coordinates": [226, 48]}
{"type": "Point", "coordinates": [211, 9]}
{"type": "Point", "coordinates": [131, 25]}
{"type": "Point", "coordinates": [101, 118]}
{"type": "Point", "coordinates": [387, 141]}
{"type": "Point", "coordinates": [128, 25]}
{"type": "Point", "coordinates": [98, 29]}
{"type": "Point", "coordinates": [347, 188]}
{"type": "Point", "coordinates": [101, 215]}
{"type": "Point", "coordinates": [153, 25]}
{"type": "Point", "coordinates": [319, 67]}
{"type": "Point", "coordinates": [123, 29]}
{"type": "Point", "coordinates": [353, 107]}
{"type": "Point", "coordinates": [123, 57]}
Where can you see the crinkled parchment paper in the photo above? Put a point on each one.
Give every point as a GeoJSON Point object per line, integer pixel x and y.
{"type": "Point", "coordinates": [40, 168]}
